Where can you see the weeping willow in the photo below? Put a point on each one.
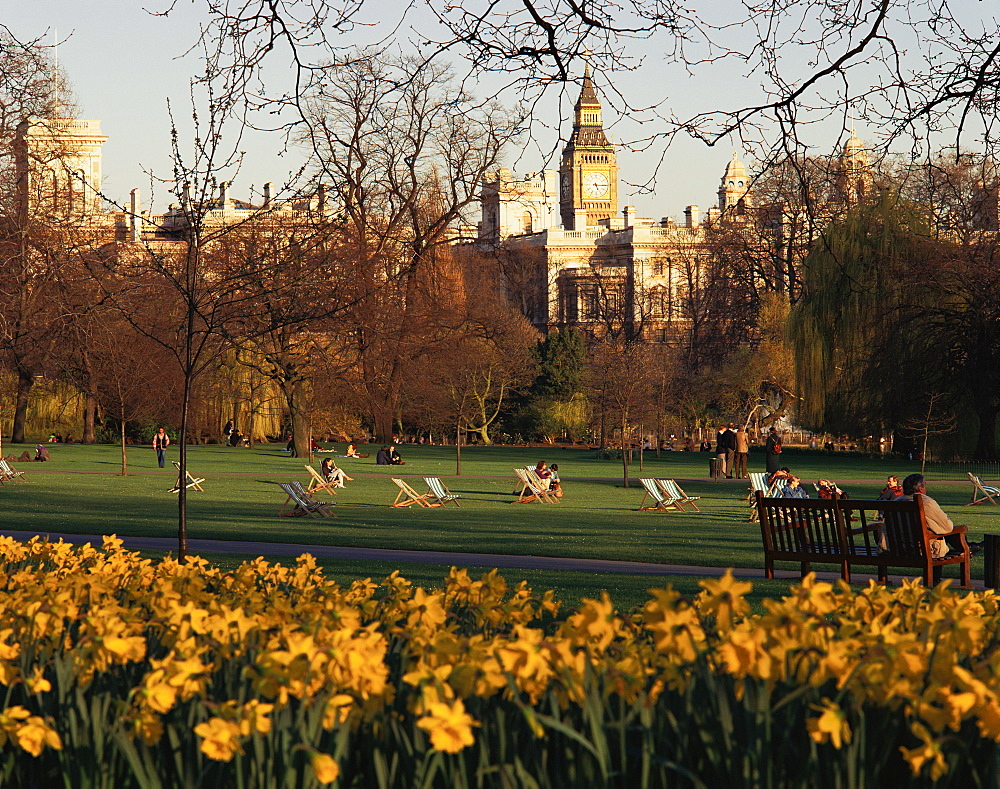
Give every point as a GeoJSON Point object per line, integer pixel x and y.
{"type": "Point", "coordinates": [53, 407]}
{"type": "Point", "coordinates": [854, 283]}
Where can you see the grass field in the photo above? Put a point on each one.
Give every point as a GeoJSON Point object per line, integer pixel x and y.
{"type": "Point", "coordinates": [80, 491]}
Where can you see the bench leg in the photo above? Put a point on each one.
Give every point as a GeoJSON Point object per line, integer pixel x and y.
{"type": "Point", "coordinates": [805, 569]}
{"type": "Point", "coordinates": [883, 575]}
{"type": "Point", "coordinates": [845, 572]}
{"type": "Point", "coordinates": [966, 574]}
{"type": "Point", "coordinates": [769, 568]}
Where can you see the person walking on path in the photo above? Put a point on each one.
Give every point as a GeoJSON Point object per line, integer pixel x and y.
{"type": "Point", "coordinates": [160, 443]}
{"type": "Point", "coordinates": [742, 451]}
{"type": "Point", "coordinates": [772, 450]}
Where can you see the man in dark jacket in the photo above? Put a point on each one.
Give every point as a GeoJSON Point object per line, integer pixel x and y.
{"type": "Point", "coordinates": [725, 448]}
{"type": "Point", "coordinates": [382, 457]}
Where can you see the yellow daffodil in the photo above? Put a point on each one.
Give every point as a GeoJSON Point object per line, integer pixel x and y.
{"type": "Point", "coordinates": [831, 725]}
{"type": "Point", "coordinates": [324, 767]}
{"type": "Point", "coordinates": [449, 726]}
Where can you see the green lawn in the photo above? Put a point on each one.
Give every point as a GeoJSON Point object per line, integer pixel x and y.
{"type": "Point", "coordinates": [80, 491]}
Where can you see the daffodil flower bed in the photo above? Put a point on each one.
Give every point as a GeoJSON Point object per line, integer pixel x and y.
{"type": "Point", "coordinates": [119, 672]}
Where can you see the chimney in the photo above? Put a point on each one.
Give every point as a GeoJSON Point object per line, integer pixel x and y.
{"type": "Point", "coordinates": [224, 190]}
{"type": "Point", "coordinates": [691, 218]}
{"type": "Point", "coordinates": [629, 212]}
{"type": "Point", "coordinates": [186, 194]}
{"type": "Point", "coordinates": [267, 194]}
{"type": "Point", "coordinates": [134, 220]}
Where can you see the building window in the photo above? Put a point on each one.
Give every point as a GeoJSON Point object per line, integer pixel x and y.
{"type": "Point", "coordinates": [526, 222]}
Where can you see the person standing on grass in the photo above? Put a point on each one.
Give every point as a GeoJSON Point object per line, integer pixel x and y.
{"type": "Point", "coordinates": [160, 443]}
{"type": "Point", "coordinates": [742, 450]}
{"type": "Point", "coordinates": [772, 450]}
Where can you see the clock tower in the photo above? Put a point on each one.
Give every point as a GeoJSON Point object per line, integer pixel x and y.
{"type": "Point", "coordinates": [589, 170]}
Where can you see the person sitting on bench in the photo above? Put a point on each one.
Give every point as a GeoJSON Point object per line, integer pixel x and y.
{"type": "Point", "coordinates": [937, 521]}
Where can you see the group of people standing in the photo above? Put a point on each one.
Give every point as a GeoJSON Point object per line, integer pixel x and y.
{"type": "Point", "coordinates": [732, 446]}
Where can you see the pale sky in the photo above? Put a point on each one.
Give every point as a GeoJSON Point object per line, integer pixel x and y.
{"type": "Point", "coordinates": [124, 64]}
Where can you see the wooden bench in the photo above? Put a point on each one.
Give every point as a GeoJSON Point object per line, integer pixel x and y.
{"type": "Point", "coordinates": [849, 533]}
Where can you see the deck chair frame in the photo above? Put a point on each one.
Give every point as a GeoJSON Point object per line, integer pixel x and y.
{"type": "Point", "coordinates": [318, 483]}
{"type": "Point", "coordinates": [7, 471]}
{"type": "Point", "coordinates": [758, 481]}
{"type": "Point", "coordinates": [676, 492]}
{"type": "Point", "coordinates": [408, 496]}
{"type": "Point", "coordinates": [437, 489]}
{"type": "Point", "coordinates": [982, 492]}
{"type": "Point", "coordinates": [662, 502]}
{"type": "Point", "coordinates": [302, 503]}
{"type": "Point", "coordinates": [192, 482]}
{"type": "Point", "coordinates": [532, 488]}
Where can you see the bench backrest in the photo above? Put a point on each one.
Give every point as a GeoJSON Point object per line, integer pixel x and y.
{"type": "Point", "coordinates": [902, 533]}
{"type": "Point", "coordinates": [847, 526]}
{"type": "Point", "coordinates": [800, 525]}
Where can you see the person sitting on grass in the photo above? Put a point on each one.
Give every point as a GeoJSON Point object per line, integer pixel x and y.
{"type": "Point", "coordinates": [554, 484]}
{"type": "Point", "coordinates": [352, 450]}
{"type": "Point", "coordinates": [394, 457]}
{"type": "Point", "coordinates": [382, 457]}
{"type": "Point", "coordinates": [793, 489]}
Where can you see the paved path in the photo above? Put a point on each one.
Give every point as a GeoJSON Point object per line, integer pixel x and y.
{"type": "Point", "coordinates": [498, 560]}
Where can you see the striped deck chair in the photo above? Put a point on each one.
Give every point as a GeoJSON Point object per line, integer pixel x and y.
{"type": "Point", "coordinates": [981, 492]}
{"type": "Point", "coordinates": [758, 481]}
{"type": "Point", "coordinates": [408, 496]}
{"type": "Point", "coordinates": [318, 483]}
{"type": "Point", "coordinates": [661, 501]}
{"type": "Point", "coordinates": [302, 502]}
{"type": "Point", "coordinates": [437, 489]}
{"type": "Point", "coordinates": [192, 482]}
{"type": "Point", "coordinates": [532, 488]}
{"type": "Point", "coordinates": [7, 471]}
{"type": "Point", "coordinates": [673, 490]}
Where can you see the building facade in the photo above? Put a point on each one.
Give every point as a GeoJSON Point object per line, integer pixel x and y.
{"type": "Point", "coordinates": [593, 260]}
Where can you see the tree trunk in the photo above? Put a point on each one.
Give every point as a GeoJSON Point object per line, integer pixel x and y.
{"type": "Point", "coordinates": [624, 457]}
{"type": "Point", "coordinates": [458, 450]}
{"type": "Point", "coordinates": [301, 445]}
{"type": "Point", "coordinates": [89, 419]}
{"type": "Point", "coordinates": [382, 419]}
{"type": "Point", "coordinates": [482, 432]}
{"type": "Point", "coordinates": [986, 441]}
{"type": "Point", "coordinates": [25, 380]}
{"type": "Point", "coordinates": [124, 453]}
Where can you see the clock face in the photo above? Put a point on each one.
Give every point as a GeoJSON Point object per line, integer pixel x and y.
{"type": "Point", "coordinates": [595, 184]}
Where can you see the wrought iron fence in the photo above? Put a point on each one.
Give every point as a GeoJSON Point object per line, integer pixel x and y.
{"type": "Point", "coordinates": [957, 469]}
